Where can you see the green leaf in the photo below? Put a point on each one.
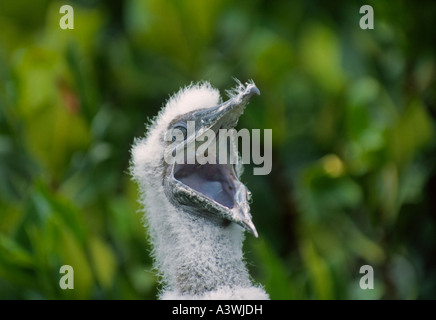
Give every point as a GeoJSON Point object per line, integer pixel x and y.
{"type": "Point", "coordinates": [103, 261]}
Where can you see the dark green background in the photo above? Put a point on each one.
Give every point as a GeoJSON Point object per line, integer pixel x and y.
{"type": "Point", "coordinates": [353, 115]}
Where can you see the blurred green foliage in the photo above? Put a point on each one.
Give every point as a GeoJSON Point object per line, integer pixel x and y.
{"type": "Point", "coordinates": [353, 114]}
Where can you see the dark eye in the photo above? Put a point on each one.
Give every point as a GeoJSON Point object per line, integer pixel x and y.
{"type": "Point", "coordinates": [181, 129]}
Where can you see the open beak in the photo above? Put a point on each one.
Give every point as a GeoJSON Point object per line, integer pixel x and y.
{"type": "Point", "coordinates": [226, 114]}
{"type": "Point", "coordinates": [216, 188]}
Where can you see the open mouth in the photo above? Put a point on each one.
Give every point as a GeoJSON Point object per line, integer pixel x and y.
{"type": "Point", "coordinates": [214, 181]}
{"type": "Point", "coordinates": [213, 187]}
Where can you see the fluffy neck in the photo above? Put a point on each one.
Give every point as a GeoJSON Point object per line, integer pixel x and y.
{"type": "Point", "coordinates": [197, 258]}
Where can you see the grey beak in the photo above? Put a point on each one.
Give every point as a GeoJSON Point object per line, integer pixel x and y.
{"type": "Point", "coordinates": [230, 110]}
{"type": "Point", "coordinates": [225, 115]}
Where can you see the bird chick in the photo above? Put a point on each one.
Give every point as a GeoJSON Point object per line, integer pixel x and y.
{"type": "Point", "coordinates": [196, 213]}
